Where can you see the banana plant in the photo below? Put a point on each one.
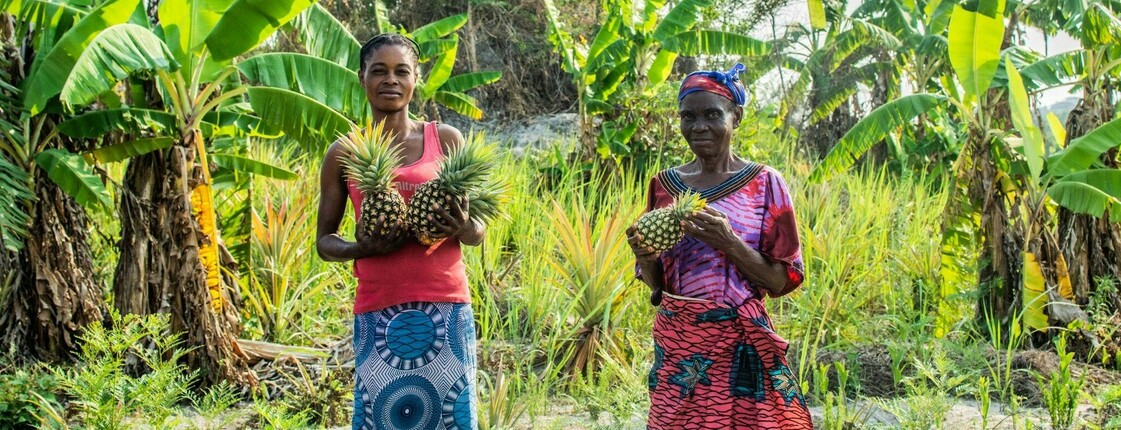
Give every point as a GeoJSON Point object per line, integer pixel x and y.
{"type": "Point", "coordinates": [974, 53]}
{"type": "Point", "coordinates": [187, 63]}
{"type": "Point", "coordinates": [636, 49]}
{"type": "Point", "coordinates": [880, 45]}
{"type": "Point", "coordinates": [439, 46]}
{"type": "Point", "coordinates": [983, 185]}
{"type": "Point", "coordinates": [999, 170]}
{"type": "Point", "coordinates": [1074, 178]}
{"type": "Point", "coordinates": [1077, 180]}
{"type": "Point", "coordinates": [1090, 245]}
{"type": "Point", "coordinates": [32, 141]}
{"type": "Point", "coordinates": [53, 299]}
{"type": "Point", "coordinates": [854, 53]}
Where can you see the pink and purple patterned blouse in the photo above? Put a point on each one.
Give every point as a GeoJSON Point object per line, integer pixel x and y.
{"type": "Point", "coordinates": [760, 211]}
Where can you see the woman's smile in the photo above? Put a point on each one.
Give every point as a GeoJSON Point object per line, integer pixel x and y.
{"type": "Point", "coordinates": [390, 93]}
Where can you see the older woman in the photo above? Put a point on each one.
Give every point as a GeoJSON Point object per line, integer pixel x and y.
{"type": "Point", "coordinates": [718, 363]}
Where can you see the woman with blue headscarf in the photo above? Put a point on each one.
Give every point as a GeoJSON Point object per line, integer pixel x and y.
{"type": "Point", "coordinates": [718, 364]}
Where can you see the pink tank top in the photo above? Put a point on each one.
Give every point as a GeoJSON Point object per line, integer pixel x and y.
{"type": "Point", "coordinates": [413, 273]}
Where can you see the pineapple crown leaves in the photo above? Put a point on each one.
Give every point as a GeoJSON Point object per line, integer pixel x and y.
{"type": "Point", "coordinates": [369, 160]}
{"type": "Point", "coordinates": [485, 202]}
{"type": "Point", "coordinates": [688, 203]}
{"type": "Point", "coordinates": [467, 166]}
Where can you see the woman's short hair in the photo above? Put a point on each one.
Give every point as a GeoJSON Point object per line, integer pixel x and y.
{"type": "Point", "coordinates": [385, 39]}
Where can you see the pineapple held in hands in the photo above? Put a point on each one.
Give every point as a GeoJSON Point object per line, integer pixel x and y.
{"type": "Point", "coordinates": [466, 172]}
{"type": "Point", "coordinates": [369, 162]}
{"type": "Point", "coordinates": [660, 229]}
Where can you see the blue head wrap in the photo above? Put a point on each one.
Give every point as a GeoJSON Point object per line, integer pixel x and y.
{"type": "Point", "coordinates": [726, 84]}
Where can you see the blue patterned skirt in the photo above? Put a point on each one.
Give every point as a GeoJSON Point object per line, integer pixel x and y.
{"type": "Point", "coordinates": [415, 368]}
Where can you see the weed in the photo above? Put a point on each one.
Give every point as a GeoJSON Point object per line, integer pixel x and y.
{"type": "Point", "coordinates": [214, 404]}
{"type": "Point", "coordinates": [835, 407]}
{"type": "Point", "coordinates": [1107, 405]}
{"type": "Point", "coordinates": [1061, 391]}
{"type": "Point", "coordinates": [278, 416]}
{"type": "Point", "coordinates": [986, 401]}
{"type": "Point", "coordinates": [929, 392]}
{"type": "Point", "coordinates": [615, 392]}
{"type": "Point", "coordinates": [502, 406]}
{"type": "Point", "coordinates": [323, 395]}
{"type": "Point", "coordinates": [103, 395]}
{"type": "Point", "coordinates": [20, 395]}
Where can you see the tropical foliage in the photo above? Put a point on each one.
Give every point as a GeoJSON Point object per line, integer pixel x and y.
{"type": "Point", "coordinates": [1016, 165]}
{"type": "Point", "coordinates": [633, 52]}
{"type": "Point", "coordinates": [162, 158]}
{"type": "Point", "coordinates": [326, 38]}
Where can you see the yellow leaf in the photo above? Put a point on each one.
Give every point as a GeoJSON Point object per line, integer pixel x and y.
{"type": "Point", "coordinates": [1063, 273]}
{"type": "Point", "coordinates": [203, 207]}
{"type": "Point", "coordinates": [259, 230]}
{"type": "Point", "coordinates": [1057, 130]}
{"type": "Point", "coordinates": [1035, 293]}
{"type": "Point", "coordinates": [817, 14]}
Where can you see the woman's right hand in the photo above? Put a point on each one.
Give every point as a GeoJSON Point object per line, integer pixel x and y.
{"type": "Point", "coordinates": [370, 245]}
{"type": "Point", "coordinates": [648, 261]}
{"type": "Point", "coordinates": [643, 254]}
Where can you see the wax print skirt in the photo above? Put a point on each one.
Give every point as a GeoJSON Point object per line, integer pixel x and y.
{"type": "Point", "coordinates": [718, 367]}
{"type": "Point", "coordinates": [415, 368]}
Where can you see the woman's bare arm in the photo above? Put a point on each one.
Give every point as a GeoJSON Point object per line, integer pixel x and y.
{"type": "Point", "coordinates": [332, 206]}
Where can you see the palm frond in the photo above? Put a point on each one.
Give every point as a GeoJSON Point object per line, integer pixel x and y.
{"type": "Point", "coordinates": [15, 215]}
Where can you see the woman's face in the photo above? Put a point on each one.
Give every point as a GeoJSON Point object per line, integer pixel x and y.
{"type": "Point", "coordinates": [389, 78]}
{"type": "Point", "coordinates": [707, 122]}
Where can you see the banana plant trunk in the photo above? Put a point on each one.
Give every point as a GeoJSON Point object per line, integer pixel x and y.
{"type": "Point", "coordinates": [164, 261]}
{"type": "Point", "coordinates": [1001, 238]}
{"type": "Point", "coordinates": [1002, 230]}
{"type": "Point", "coordinates": [53, 292]}
{"type": "Point", "coordinates": [1092, 246]}
{"type": "Point", "coordinates": [822, 135]}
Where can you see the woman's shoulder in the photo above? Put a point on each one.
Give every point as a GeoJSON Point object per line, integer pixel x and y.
{"type": "Point", "coordinates": [450, 137]}
{"type": "Point", "coordinates": [335, 150]}
{"type": "Point", "coordinates": [765, 168]}
{"type": "Point", "coordinates": [771, 175]}
{"type": "Point", "coordinates": [661, 175]}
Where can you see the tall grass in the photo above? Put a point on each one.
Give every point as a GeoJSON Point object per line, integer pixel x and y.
{"type": "Point", "coordinates": [558, 311]}
{"type": "Point", "coordinates": [289, 294]}
{"type": "Point", "coordinates": [553, 288]}
{"type": "Point", "coordinates": [869, 242]}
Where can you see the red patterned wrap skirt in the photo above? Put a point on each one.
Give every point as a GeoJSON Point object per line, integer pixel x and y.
{"type": "Point", "coordinates": [718, 367]}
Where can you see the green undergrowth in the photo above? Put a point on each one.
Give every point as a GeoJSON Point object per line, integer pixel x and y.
{"type": "Point", "coordinates": [561, 319]}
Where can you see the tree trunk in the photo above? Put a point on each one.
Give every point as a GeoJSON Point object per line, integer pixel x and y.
{"type": "Point", "coordinates": [160, 270]}
{"type": "Point", "coordinates": [999, 274]}
{"type": "Point", "coordinates": [820, 137]}
{"type": "Point", "coordinates": [886, 89]}
{"type": "Point", "coordinates": [53, 293]}
{"type": "Point", "coordinates": [1092, 246]}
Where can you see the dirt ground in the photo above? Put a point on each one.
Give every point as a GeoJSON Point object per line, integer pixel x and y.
{"type": "Point", "coordinates": [965, 414]}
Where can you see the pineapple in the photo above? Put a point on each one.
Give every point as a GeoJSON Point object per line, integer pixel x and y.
{"type": "Point", "coordinates": [660, 229]}
{"type": "Point", "coordinates": [483, 205]}
{"type": "Point", "coordinates": [369, 162]}
{"type": "Point", "coordinates": [465, 172]}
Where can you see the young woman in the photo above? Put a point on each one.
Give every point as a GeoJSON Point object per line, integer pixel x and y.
{"type": "Point", "coordinates": [718, 364]}
{"type": "Point", "coordinates": [414, 335]}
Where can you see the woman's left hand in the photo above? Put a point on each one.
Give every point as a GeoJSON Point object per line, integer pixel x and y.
{"type": "Point", "coordinates": [452, 217]}
{"type": "Point", "coordinates": [711, 226]}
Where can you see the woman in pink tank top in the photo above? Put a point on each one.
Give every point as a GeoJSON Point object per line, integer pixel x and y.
{"type": "Point", "coordinates": [414, 333]}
